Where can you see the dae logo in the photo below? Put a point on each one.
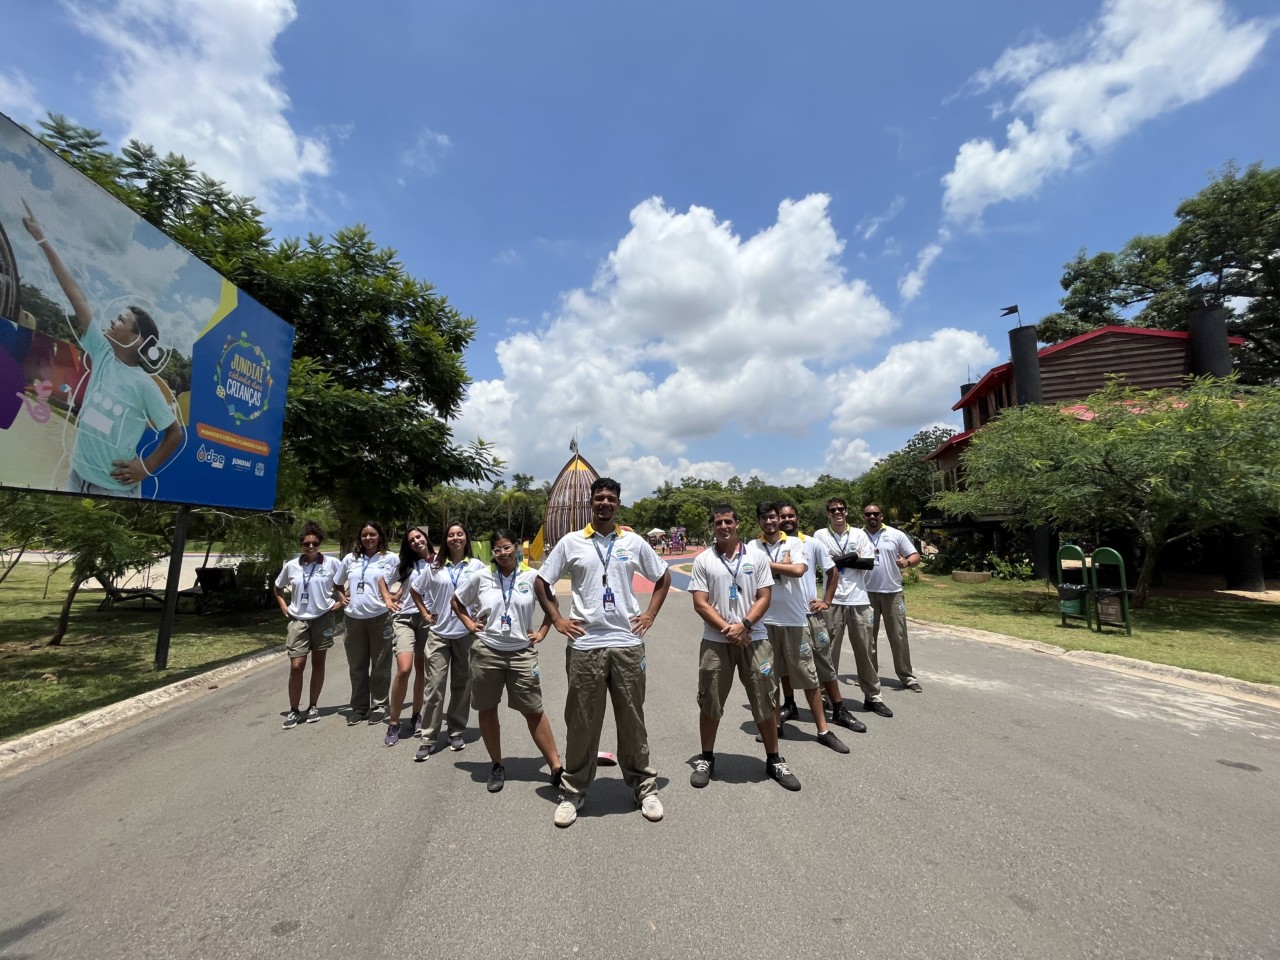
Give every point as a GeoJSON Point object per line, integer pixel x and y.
{"type": "Point", "coordinates": [211, 457]}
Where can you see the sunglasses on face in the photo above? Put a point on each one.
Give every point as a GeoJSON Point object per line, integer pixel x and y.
{"type": "Point", "coordinates": [311, 543]}
{"type": "Point", "coordinates": [871, 513]}
{"type": "Point", "coordinates": [835, 509]}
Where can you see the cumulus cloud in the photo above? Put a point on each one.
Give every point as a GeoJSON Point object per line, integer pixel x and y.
{"type": "Point", "coordinates": [200, 78]}
{"type": "Point", "coordinates": [1071, 98]}
{"type": "Point", "coordinates": [424, 155]}
{"type": "Point", "coordinates": [914, 381]}
{"type": "Point", "coordinates": [687, 329]}
{"type": "Point", "coordinates": [910, 285]}
{"type": "Point", "coordinates": [871, 226]}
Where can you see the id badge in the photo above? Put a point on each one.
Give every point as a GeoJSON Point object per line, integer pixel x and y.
{"type": "Point", "coordinates": [733, 591]}
{"type": "Point", "coordinates": [607, 599]}
{"type": "Point", "coordinates": [506, 623]}
{"type": "Point", "coordinates": [360, 587]}
{"type": "Point", "coordinates": [303, 597]}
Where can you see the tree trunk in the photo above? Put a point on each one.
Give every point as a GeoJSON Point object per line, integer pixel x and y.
{"type": "Point", "coordinates": [65, 619]}
{"type": "Point", "coordinates": [1149, 560]}
{"type": "Point", "coordinates": [9, 569]}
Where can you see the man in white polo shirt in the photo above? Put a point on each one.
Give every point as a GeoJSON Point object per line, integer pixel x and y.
{"type": "Point", "coordinates": [730, 585]}
{"type": "Point", "coordinates": [787, 618]}
{"type": "Point", "coordinates": [850, 608]}
{"type": "Point", "coordinates": [605, 654]}
{"type": "Point", "coordinates": [894, 553]}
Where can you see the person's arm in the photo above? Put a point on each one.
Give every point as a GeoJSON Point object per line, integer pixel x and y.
{"type": "Point", "coordinates": [136, 470]}
{"type": "Point", "coordinates": [640, 625]}
{"type": "Point", "coordinates": [551, 608]}
{"type": "Point", "coordinates": [739, 634]}
{"type": "Point", "coordinates": [464, 617]}
{"type": "Point", "coordinates": [427, 616]}
{"type": "Point", "coordinates": [79, 302]}
{"type": "Point", "coordinates": [280, 600]}
{"type": "Point", "coordinates": [911, 558]}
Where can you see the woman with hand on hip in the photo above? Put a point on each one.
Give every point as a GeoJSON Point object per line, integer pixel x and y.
{"type": "Point", "coordinates": [449, 642]}
{"type": "Point", "coordinates": [310, 610]}
{"type": "Point", "coordinates": [368, 622]}
{"type": "Point", "coordinates": [409, 643]}
{"type": "Point", "coordinates": [506, 656]}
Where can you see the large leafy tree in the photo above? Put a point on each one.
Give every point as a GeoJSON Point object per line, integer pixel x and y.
{"type": "Point", "coordinates": [1225, 251]}
{"type": "Point", "coordinates": [902, 482]}
{"type": "Point", "coordinates": [378, 354]}
{"type": "Point", "coordinates": [1164, 466]}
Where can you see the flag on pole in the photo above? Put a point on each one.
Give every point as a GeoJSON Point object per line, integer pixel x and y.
{"type": "Point", "coordinates": [1009, 310]}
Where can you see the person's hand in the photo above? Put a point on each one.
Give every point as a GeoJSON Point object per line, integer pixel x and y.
{"type": "Point", "coordinates": [32, 224]}
{"type": "Point", "coordinates": [394, 604]}
{"type": "Point", "coordinates": [738, 634]}
{"type": "Point", "coordinates": [902, 563]}
{"type": "Point", "coordinates": [537, 636]}
{"type": "Point", "coordinates": [640, 625]}
{"type": "Point", "coordinates": [818, 605]}
{"type": "Point", "coordinates": [128, 472]}
{"type": "Point", "coordinates": [429, 618]}
{"type": "Point", "coordinates": [570, 628]}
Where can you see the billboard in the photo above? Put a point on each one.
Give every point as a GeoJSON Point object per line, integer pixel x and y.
{"type": "Point", "coordinates": [128, 368]}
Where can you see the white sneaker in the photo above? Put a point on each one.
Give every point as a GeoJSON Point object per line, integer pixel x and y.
{"type": "Point", "coordinates": [651, 808]}
{"type": "Point", "coordinates": [567, 811]}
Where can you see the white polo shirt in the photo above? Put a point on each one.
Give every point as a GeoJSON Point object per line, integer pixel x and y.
{"type": "Point", "coordinates": [819, 559]}
{"type": "Point", "coordinates": [437, 586]}
{"type": "Point", "coordinates": [713, 574]}
{"type": "Point", "coordinates": [310, 586]}
{"type": "Point", "coordinates": [851, 591]}
{"type": "Point", "coordinates": [408, 609]}
{"type": "Point", "coordinates": [491, 595]}
{"type": "Point", "coordinates": [889, 543]}
{"type": "Point", "coordinates": [582, 555]}
{"type": "Point", "coordinates": [788, 607]}
{"type": "Point", "coordinates": [362, 575]}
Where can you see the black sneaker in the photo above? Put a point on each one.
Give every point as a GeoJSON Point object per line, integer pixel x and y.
{"type": "Point", "coordinates": [778, 770]}
{"type": "Point", "coordinates": [877, 706]}
{"type": "Point", "coordinates": [844, 718]}
{"type": "Point", "coordinates": [424, 751]}
{"type": "Point", "coordinates": [455, 742]}
{"type": "Point", "coordinates": [828, 739]}
{"type": "Point", "coordinates": [702, 771]}
{"type": "Point", "coordinates": [789, 712]}
{"type": "Point", "coordinates": [497, 778]}
{"type": "Point", "coordinates": [313, 714]}
{"type": "Point", "coordinates": [353, 718]}
{"type": "Point", "coordinates": [291, 720]}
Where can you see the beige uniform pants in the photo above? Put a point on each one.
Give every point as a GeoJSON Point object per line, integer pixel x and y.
{"type": "Point", "coordinates": [857, 621]}
{"type": "Point", "coordinates": [447, 657]}
{"type": "Point", "coordinates": [892, 610]}
{"type": "Point", "coordinates": [368, 645]}
{"type": "Point", "coordinates": [619, 673]}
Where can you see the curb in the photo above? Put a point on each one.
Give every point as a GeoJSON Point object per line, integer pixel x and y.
{"type": "Point", "coordinates": [1260, 693]}
{"type": "Point", "coordinates": [49, 742]}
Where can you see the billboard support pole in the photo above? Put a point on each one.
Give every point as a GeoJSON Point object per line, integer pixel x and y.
{"type": "Point", "coordinates": [170, 611]}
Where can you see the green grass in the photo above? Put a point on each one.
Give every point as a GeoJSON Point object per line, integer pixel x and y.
{"type": "Point", "coordinates": [105, 657]}
{"type": "Point", "coordinates": [1233, 637]}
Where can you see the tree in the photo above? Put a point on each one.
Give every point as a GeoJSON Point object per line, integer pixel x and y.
{"type": "Point", "coordinates": [1164, 466]}
{"type": "Point", "coordinates": [377, 367]}
{"type": "Point", "coordinates": [902, 482]}
{"type": "Point", "coordinates": [1225, 252]}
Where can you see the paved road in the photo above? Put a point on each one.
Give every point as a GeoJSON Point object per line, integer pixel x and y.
{"type": "Point", "coordinates": [1023, 806]}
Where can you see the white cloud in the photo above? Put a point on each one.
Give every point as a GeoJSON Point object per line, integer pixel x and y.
{"type": "Point", "coordinates": [910, 285]}
{"type": "Point", "coordinates": [910, 386]}
{"type": "Point", "coordinates": [848, 458]}
{"type": "Point", "coordinates": [685, 330]}
{"type": "Point", "coordinates": [425, 154]}
{"type": "Point", "coordinates": [1140, 59]}
{"type": "Point", "coordinates": [200, 78]}
{"type": "Point", "coordinates": [18, 98]}
{"type": "Point", "coordinates": [639, 476]}
{"type": "Point", "coordinates": [507, 258]}
{"type": "Point", "coordinates": [868, 228]}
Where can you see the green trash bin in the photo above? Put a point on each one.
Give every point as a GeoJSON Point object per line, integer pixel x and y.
{"type": "Point", "coordinates": [1073, 597]}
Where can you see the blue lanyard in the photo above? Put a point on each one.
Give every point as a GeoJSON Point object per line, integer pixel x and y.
{"type": "Point", "coordinates": [733, 573]}
{"type": "Point", "coordinates": [455, 577]}
{"type": "Point", "coordinates": [605, 557]}
{"type": "Point", "coordinates": [767, 546]}
{"type": "Point", "coordinates": [306, 577]}
{"type": "Point", "coordinates": [841, 545]}
{"type": "Point", "coordinates": [364, 565]}
{"type": "Point", "coordinates": [506, 591]}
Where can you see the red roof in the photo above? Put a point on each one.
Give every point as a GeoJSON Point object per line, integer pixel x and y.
{"type": "Point", "coordinates": [1001, 374]}
{"type": "Point", "coordinates": [951, 441]}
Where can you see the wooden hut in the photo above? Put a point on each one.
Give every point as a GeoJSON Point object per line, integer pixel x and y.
{"type": "Point", "coordinates": [569, 505]}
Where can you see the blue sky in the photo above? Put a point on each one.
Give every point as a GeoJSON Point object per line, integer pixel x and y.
{"type": "Point", "coordinates": [711, 238]}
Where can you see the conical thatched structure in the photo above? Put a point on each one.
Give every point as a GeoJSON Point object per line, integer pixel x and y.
{"type": "Point", "coordinates": [569, 505]}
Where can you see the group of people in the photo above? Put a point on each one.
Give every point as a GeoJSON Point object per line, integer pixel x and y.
{"type": "Point", "coordinates": [457, 623]}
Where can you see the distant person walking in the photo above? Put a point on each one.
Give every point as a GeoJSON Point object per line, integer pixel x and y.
{"type": "Point", "coordinates": [311, 611]}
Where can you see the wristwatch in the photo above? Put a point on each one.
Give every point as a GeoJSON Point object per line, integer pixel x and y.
{"type": "Point", "coordinates": [747, 622]}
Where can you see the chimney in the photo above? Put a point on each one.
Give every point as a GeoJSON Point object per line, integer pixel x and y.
{"type": "Point", "coordinates": [1024, 351]}
{"type": "Point", "coordinates": [1210, 351]}
{"type": "Point", "coordinates": [967, 412]}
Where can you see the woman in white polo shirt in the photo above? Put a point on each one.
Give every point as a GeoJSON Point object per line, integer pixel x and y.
{"type": "Point", "coordinates": [449, 642]}
{"type": "Point", "coordinates": [368, 622]}
{"type": "Point", "coordinates": [506, 656]}
{"type": "Point", "coordinates": [409, 642]}
{"type": "Point", "coordinates": [310, 610]}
